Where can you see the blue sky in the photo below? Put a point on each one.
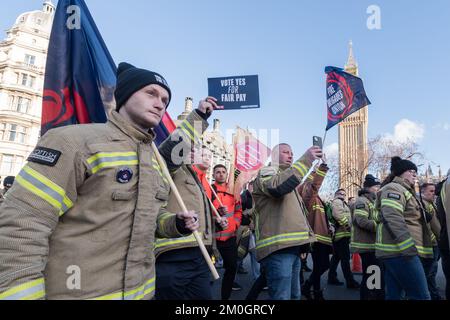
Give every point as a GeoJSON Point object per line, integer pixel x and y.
{"type": "Point", "coordinates": [288, 43]}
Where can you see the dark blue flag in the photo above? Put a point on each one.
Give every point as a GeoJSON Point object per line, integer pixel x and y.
{"type": "Point", "coordinates": [80, 73]}
{"type": "Point", "coordinates": [345, 95]}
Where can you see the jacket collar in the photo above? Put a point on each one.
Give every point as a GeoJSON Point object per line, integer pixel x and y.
{"type": "Point", "coordinates": [130, 129]}
{"type": "Point", "coordinates": [404, 184]}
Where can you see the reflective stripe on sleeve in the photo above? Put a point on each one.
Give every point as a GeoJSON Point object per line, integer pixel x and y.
{"type": "Point", "coordinates": [32, 290]}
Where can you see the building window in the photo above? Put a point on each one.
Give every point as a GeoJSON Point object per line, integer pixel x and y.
{"type": "Point", "coordinates": [18, 164]}
{"type": "Point", "coordinates": [22, 105]}
{"type": "Point", "coordinates": [28, 80]}
{"type": "Point", "coordinates": [29, 59]}
{"type": "Point", "coordinates": [7, 163]}
{"type": "Point", "coordinates": [12, 132]}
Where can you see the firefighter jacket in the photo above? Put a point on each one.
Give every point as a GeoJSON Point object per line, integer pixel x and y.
{"type": "Point", "coordinates": [445, 199]}
{"type": "Point", "coordinates": [195, 198]}
{"type": "Point", "coordinates": [81, 217]}
{"type": "Point", "coordinates": [280, 214]}
{"type": "Point", "coordinates": [234, 209]}
{"type": "Point", "coordinates": [343, 217]}
{"type": "Point", "coordinates": [364, 227]}
{"type": "Point", "coordinates": [403, 229]}
{"type": "Point", "coordinates": [317, 217]}
{"type": "Point", "coordinates": [434, 225]}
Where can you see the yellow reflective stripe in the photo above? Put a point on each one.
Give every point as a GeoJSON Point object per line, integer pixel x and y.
{"type": "Point", "coordinates": [408, 243]}
{"type": "Point", "coordinates": [143, 290]}
{"type": "Point", "coordinates": [112, 296]}
{"type": "Point", "coordinates": [162, 219]}
{"type": "Point", "coordinates": [44, 188]}
{"type": "Point", "coordinates": [282, 238]}
{"type": "Point", "coordinates": [189, 126]}
{"type": "Point", "coordinates": [320, 173]}
{"type": "Point", "coordinates": [360, 245]}
{"type": "Point", "coordinates": [106, 155]}
{"type": "Point", "coordinates": [168, 242]}
{"type": "Point", "coordinates": [30, 290]}
{"type": "Point", "coordinates": [408, 195]}
{"type": "Point", "coordinates": [424, 250]}
{"type": "Point", "coordinates": [323, 238]}
{"type": "Point", "coordinates": [301, 168]}
{"type": "Point", "coordinates": [318, 207]}
{"type": "Point", "coordinates": [361, 213]}
{"type": "Point", "coordinates": [392, 204]}
{"type": "Point", "coordinates": [310, 177]}
{"type": "Point", "coordinates": [112, 159]}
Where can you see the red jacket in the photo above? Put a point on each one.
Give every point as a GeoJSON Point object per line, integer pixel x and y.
{"type": "Point", "coordinates": [234, 209]}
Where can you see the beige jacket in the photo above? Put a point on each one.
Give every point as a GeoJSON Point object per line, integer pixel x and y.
{"type": "Point", "coordinates": [343, 216]}
{"type": "Point", "coordinates": [403, 229]}
{"type": "Point", "coordinates": [364, 225]}
{"type": "Point", "coordinates": [280, 214]}
{"type": "Point", "coordinates": [81, 218]}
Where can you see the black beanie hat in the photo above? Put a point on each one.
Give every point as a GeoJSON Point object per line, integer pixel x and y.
{"type": "Point", "coordinates": [8, 182]}
{"type": "Point", "coordinates": [399, 166]}
{"type": "Point", "coordinates": [371, 181]}
{"type": "Point", "coordinates": [131, 79]}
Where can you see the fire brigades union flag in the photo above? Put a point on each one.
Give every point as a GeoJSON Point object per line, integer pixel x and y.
{"type": "Point", "coordinates": [80, 73]}
{"type": "Point", "coordinates": [345, 95]}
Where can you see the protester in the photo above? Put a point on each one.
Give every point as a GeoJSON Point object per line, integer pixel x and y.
{"type": "Point", "coordinates": [281, 224]}
{"type": "Point", "coordinates": [341, 241]}
{"type": "Point", "coordinates": [430, 266]}
{"type": "Point", "coordinates": [230, 208]}
{"type": "Point", "coordinates": [443, 213]}
{"type": "Point", "coordinates": [7, 184]}
{"type": "Point", "coordinates": [80, 221]}
{"type": "Point", "coordinates": [181, 271]}
{"type": "Point", "coordinates": [365, 221]}
{"type": "Point", "coordinates": [403, 235]}
{"type": "Point", "coordinates": [318, 220]}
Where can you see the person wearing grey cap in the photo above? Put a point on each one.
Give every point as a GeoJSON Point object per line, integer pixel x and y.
{"type": "Point", "coordinates": [81, 219]}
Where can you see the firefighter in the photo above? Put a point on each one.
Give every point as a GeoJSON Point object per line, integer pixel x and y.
{"type": "Point", "coordinates": [80, 221]}
{"type": "Point", "coordinates": [341, 241]}
{"type": "Point", "coordinates": [318, 220]}
{"type": "Point", "coordinates": [365, 221]}
{"type": "Point", "coordinates": [181, 270]}
{"type": "Point", "coordinates": [282, 229]}
{"type": "Point", "coordinates": [402, 235]}
{"type": "Point", "coordinates": [430, 266]}
{"type": "Point", "coordinates": [7, 184]}
{"type": "Point", "coordinates": [443, 213]}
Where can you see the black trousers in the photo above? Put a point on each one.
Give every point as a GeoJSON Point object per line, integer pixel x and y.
{"type": "Point", "coordinates": [183, 279]}
{"type": "Point", "coordinates": [228, 251]}
{"type": "Point", "coordinates": [321, 263]}
{"type": "Point", "coordinates": [257, 286]}
{"type": "Point", "coordinates": [368, 259]}
{"type": "Point", "coordinates": [341, 254]}
{"type": "Point", "coordinates": [445, 258]}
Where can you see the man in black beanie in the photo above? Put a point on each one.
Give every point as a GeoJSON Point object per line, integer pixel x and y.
{"type": "Point", "coordinates": [403, 235]}
{"type": "Point", "coordinates": [7, 184]}
{"type": "Point", "coordinates": [365, 221]}
{"type": "Point", "coordinates": [105, 186]}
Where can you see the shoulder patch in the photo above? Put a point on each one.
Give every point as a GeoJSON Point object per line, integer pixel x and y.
{"type": "Point", "coordinates": [395, 196]}
{"type": "Point", "coordinates": [360, 206]}
{"type": "Point", "coordinates": [45, 156]}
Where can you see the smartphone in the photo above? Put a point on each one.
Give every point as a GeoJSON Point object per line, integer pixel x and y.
{"type": "Point", "coordinates": [317, 141]}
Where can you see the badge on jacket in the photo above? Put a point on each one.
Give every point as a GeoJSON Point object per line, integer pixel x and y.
{"type": "Point", "coordinates": [124, 175]}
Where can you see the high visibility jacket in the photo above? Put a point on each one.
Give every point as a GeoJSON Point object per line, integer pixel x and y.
{"type": "Point", "coordinates": [234, 209]}
{"type": "Point", "coordinates": [317, 217]}
{"type": "Point", "coordinates": [81, 217]}
{"type": "Point", "coordinates": [342, 215]}
{"type": "Point", "coordinates": [434, 225]}
{"type": "Point", "coordinates": [403, 229]}
{"type": "Point", "coordinates": [194, 197]}
{"type": "Point", "coordinates": [445, 198]}
{"type": "Point", "coordinates": [364, 228]}
{"type": "Point", "coordinates": [280, 214]}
